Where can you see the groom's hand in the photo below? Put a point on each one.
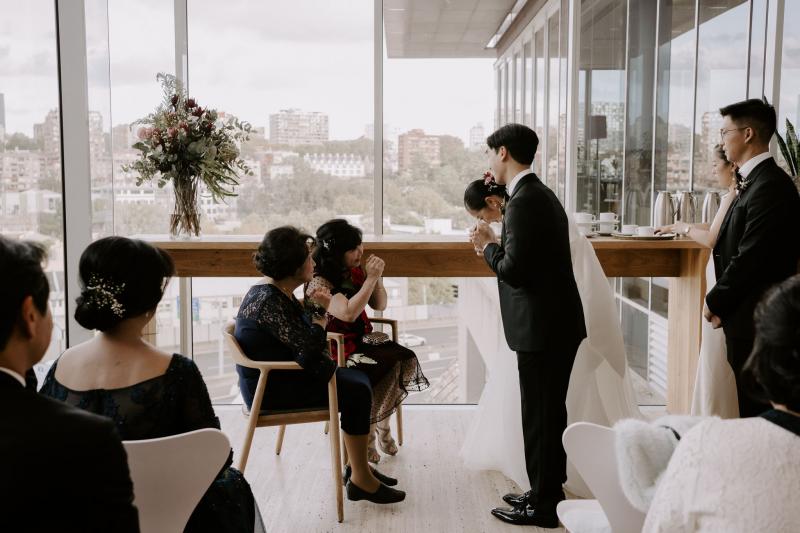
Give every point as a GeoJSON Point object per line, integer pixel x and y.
{"type": "Point", "coordinates": [716, 322]}
{"type": "Point", "coordinates": [482, 235]}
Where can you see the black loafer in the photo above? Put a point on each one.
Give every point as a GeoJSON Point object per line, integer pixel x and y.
{"type": "Point", "coordinates": [517, 500]}
{"type": "Point", "coordinates": [527, 516]}
{"type": "Point", "coordinates": [383, 478]}
{"type": "Point", "coordinates": [383, 495]}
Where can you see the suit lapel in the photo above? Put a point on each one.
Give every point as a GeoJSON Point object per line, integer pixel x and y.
{"type": "Point", "coordinates": [762, 167]}
{"type": "Point", "coordinates": [727, 219]}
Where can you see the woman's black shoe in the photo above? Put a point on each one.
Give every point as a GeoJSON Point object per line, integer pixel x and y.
{"type": "Point", "coordinates": [383, 478]}
{"type": "Point", "coordinates": [384, 494]}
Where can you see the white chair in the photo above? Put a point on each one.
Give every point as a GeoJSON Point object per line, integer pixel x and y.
{"type": "Point", "coordinates": [171, 474]}
{"type": "Point", "coordinates": [590, 448]}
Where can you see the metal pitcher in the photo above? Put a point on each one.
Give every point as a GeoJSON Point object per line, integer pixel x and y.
{"type": "Point", "coordinates": [710, 206]}
{"type": "Point", "coordinates": [686, 207]}
{"type": "Point", "coordinates": [664, 211]}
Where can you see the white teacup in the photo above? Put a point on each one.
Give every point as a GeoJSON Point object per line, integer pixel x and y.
{"type": "Point", "coordinates": [629, 229]}
{"type": "Point", "coordinates": [584, 217]}
{"type": "Point", "coordinates": [645, 231]}
{"type": "Point", "coordinates": [607, 217]}
{"type": "Point", "coordinates": [607, 227]}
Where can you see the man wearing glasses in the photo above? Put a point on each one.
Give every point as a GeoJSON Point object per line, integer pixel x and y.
{"type": "Point", "coordinates": [759, 240]}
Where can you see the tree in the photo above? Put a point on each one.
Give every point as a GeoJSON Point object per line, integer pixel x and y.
{"type": "Point", "coordinates": [20, 141]}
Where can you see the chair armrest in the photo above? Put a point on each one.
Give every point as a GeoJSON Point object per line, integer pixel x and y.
{"type": "Point", "coordinates": [273, 365]}
{"type": "Point", "coordinates": [392, 324]}
{"type": "Point", "coordinates": [338, 338]}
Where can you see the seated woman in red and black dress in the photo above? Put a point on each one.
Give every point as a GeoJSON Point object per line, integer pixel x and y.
{"type": "Point", "coordinates": [393, 370]}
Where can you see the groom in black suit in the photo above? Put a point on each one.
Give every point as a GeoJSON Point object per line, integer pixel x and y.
{"type": "Point", "coordinates": [61, 468]}
{"type": "Point", "coordinates": [759, 240]}
{"type": "Point", "coordinates": [542, 316]}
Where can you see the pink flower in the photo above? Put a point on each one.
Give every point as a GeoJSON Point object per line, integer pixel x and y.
{"type": "Point", "coordinates": [198, 111]}
{"type": "Point", "coordinates": [190, 103]}
{"type": "Point", "coordinates": [172, 132]}
{"type": "Point", "coordinates": [143, 133]}
{"type": "Point", "coordinates": [488, 178]}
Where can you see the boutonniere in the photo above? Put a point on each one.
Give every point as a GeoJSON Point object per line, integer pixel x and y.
{"type": "Point", "coordinates": [743, 183]}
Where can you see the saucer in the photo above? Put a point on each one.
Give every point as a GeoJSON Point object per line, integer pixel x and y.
{"type": "Point", "coordinates": [662, 237]}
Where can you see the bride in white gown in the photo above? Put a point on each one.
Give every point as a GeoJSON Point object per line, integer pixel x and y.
{"type": "Point", "coordinates": [600, 388]}
{"type": "Point", "coordinates": [715, 385]}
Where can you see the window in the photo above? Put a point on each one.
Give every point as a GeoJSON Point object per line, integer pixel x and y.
{"type": "Point", "coordinates": [30, 143]}
{"type": "Point", "coordinates": [721, 78]}
{"type": "Point", "coordinates": [601, 109]}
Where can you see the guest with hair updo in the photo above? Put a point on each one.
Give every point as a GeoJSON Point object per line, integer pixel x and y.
{"type": "Point", "coordinates": [744, 474]}
{"type": "Point", "coordinates": [147, 392]}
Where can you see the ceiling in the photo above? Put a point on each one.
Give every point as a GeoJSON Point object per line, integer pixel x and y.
{"type": "Point", "coordinates": [442, 28]}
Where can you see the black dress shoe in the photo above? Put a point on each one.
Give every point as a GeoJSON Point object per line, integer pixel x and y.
{"type": "Point", "coordinates": [517, 500]}
{"type": "Point", "coordinates": [384, 494]}
{"type": "Point", "coordinates": [528, 516]}
{"type": "Point", "coordinates": [383, 478]}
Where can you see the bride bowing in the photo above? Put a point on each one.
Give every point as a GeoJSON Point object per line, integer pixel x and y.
{"type": "Point", "coordinates": [600, 389]}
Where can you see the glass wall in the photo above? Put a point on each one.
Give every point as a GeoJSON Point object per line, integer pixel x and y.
{"type": "Point", "coordinates": [601, 106]}
{"type": "Point", "coordinates": [789, 102]}
{"type": "Point", "coordinates": [721, 78]}
{"type": "Point", "coordinates": [31, 205]}
{"type": "Point", "coordinates": [435, 112]}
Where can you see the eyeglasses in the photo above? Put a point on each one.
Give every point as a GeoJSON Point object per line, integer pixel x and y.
{"type": "Point", "coordinates": [722, 133]}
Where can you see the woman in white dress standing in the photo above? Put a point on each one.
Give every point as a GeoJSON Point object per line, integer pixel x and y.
{"type": "Point", "coordinates": [715, 385]}
{"type": "Point", "coordinates": [600, 388]}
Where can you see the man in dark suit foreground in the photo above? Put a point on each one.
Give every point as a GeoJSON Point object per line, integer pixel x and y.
{"type": "Point", "coordinates": [542, 316]}
{"type": "Point", "coordinates": [61, 468]}
{"type": "Point", "coordinates": [759, 240]}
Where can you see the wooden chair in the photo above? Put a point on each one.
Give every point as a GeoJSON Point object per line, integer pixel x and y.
{"type": "Point", "coordinates": [171, 474]}
{"type": "Point", "coordinates": [284, 418]}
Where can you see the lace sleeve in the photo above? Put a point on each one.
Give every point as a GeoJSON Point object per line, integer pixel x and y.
{"type": "Point", "coordinates": [307, 341]}
{"type": "Point", "coordinates": [195, 407]}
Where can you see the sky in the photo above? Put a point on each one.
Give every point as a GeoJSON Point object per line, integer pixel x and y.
{"type": "Point", "coordinates": [252, 58]}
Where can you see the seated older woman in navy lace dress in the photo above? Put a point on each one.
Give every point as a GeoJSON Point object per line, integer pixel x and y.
{"type": "Point", "coordinates": [147, 392]}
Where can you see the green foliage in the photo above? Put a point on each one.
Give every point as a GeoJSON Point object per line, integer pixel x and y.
{"type": "Point", "coordinates": [20, 141]}
{"type": "Point", "coordinates": [790, 148]}
{"type": "Point", "coordinates": [182, 141]}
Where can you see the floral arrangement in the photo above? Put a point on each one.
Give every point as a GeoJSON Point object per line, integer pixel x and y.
{"type": "Point", "coordinates": [188, 145]}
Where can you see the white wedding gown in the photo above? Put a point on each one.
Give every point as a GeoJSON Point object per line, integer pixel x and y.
{"type": "Point", "coordinates": [600, 388]}
{"type": "Point", "coordinates": [715, 385]}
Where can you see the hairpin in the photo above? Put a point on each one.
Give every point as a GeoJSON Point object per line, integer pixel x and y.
{"type": "Point", "coordinates": [103, 293]}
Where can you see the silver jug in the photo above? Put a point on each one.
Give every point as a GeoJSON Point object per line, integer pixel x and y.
{"type": "Point", "coordinates": [664, 211]}
{"type": "Point", "coordinates": [710, 206]}
{"type": "Point", "coordinates": [686, 207]}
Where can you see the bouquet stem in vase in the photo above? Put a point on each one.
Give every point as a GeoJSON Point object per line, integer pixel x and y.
{"type": "Point", "coordinates": [185, 219]}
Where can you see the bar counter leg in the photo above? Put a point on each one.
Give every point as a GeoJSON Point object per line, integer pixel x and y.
{"type": "Point", "coordinates": [686, 295]}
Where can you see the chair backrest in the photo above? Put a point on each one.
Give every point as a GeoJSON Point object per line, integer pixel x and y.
{"type": "Point", "coordinates": [236, 350]}
{"type": "Point", "coordinates": [171, 474]}
{"type": "Point", "coordinates": [590, 448]}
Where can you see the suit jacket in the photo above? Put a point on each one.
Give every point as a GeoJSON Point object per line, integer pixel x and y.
{"type": "Point", "coordinates": [62, 469]}
{"type": "Point", "coordinates": [539, 299]}
{"type": "Point", "coordinates": [758, 246]}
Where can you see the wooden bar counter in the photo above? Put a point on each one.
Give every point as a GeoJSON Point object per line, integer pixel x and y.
{"type": "Point", "coordinates": [681, 260]}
